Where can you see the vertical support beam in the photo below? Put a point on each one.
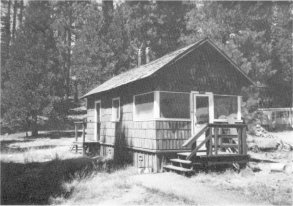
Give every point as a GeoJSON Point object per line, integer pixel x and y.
{"type": "Point", "coordinates": [75, 131]}
{"type": "Point", "coordinates": [216, 132]}
{"type": "Point", "coordinates": [240, 145]}
{"type": "Point", "coordinates": [239, 103]}
{"type": "Point", "coordinates": [209, 143]}
{"type": "Point", "coordinates": [244, 145]}
{"type": "Point", "coordinates": [157, 104]}
{"type": "Point", "coordinates": [83, 137]}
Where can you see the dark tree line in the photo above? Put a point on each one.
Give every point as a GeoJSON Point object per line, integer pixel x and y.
{"type": "Point", "coordinates": [45, 43]}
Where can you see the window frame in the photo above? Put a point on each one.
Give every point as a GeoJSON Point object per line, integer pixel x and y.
{"type": "Point", "coordinates": [112, 115]}
{"type": "Point", "coordinates": [239, 103]}
{"type": "Point", "coordinates": [157, 109]}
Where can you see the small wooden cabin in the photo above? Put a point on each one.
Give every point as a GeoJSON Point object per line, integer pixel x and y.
{"type": "Point", "coordinates": [150, 113]}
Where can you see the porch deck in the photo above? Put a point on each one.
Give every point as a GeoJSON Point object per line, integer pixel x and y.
{"type": "Point", "coordinates": [81, 144]}
{"type": "Point", "coordinates": [222, 148]}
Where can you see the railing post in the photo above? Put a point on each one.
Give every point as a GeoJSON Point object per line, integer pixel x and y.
{"type": "Point", "coordinates": [240, 145]}
{"type": "Point", "coordinates": [75, 131]}
{"type": "Point", "coordinates": [211, 142]}
{"type": "Point", "coordinates": [216, 130]}
{"type": "Point", "coordinates": [83, 137]}
{"type": "Point", "coordinates": [244, 145]}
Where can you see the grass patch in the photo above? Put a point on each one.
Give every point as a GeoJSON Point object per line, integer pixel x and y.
{"type": "Point", "coordinates": [36, 183]}
{"type": "Point", "coordinates": [275, 188]}
{"type": "Point", "coordinates": [116, 188]}
{"type": "Point", "coordinates": [95, 188]}
{"type": "Point", "coordinates": [164, 197]}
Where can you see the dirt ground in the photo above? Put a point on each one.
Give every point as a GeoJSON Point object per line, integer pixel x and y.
{"type": "Point", "coordinates": [44, 171]}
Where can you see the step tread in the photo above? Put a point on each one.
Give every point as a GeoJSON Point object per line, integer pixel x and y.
{"type": "Point", "coordinates": [181, 161]}
{"type": "Point", "coordinates": [181, 169]}
{"type": "Point", "coordinates": [188, 153]}
{"type": "Point", "coordinates": [184, 153]}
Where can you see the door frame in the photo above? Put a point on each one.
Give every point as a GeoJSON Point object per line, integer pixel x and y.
{"type": "Point", "coordinates": [96, 121]}
{"type": "Point", "coordinates": [193, 96]}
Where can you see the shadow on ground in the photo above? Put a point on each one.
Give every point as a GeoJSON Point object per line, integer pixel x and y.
{"type": "Point", "coordinates": [57, 134]}
{"type": "Point", "coordinates": [35, 183]}
{"type": "Point", "coordinates": [4, 146]}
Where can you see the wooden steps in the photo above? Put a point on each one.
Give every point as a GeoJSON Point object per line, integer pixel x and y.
{"type": "Point", "coordinates": [178, 169]}
{"type": "Point", "coordinates": [181, 161]}
{"type": "Point", "coordinates": [77, 147]}
{"type": "Point", "coordinates": [186, 154]}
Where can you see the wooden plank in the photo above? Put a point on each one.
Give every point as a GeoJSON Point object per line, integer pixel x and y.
{"type": "Point", "coordinates": [181, 169]}
{"type": "Point", "coordinates": [238, 125]}
{"type": "Point", "coordinates": [243, 142]}
{"type": "Point", "coordinates": [239, 140]}
{"type": "Point", "coordinates": [227, 136]}
{"type": "Point", "coordinates": [229, 146]}
{"type": "Point", "coordinates": [216, 131]}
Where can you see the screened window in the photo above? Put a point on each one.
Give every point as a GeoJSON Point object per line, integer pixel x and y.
{"type": "Point", "coordinates": [174, 105]}
{"type": "Point", "coordinates": [144, 106]}
{"type": "Point", "coordinates": [116, 109]}
{"type": "Point", "coordinates": [225, 106]}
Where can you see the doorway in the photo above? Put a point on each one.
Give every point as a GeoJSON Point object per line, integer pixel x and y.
{"type": "Point", "coordinates": [202, 113]}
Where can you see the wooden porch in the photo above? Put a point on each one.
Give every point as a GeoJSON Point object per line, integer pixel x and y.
{"type": "Point", "coordinates": [225, 144]}
{"type": "Point", "coordinates": [80, 145]}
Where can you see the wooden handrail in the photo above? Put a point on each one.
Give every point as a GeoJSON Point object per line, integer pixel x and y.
{"type": "Point", "coordinates": [237, 125]}
{"type": "Point", "coordinates": [86, 122]}
{"type": "Point", "coordinates": [198, 147]}
{"type": "Point", "coordinates": [192, 139]}
{"type": "Point", "coordinates": [241, 147]}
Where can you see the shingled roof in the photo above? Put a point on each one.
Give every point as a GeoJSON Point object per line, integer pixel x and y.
{"type": "Point", "coordinates": [147, 70]}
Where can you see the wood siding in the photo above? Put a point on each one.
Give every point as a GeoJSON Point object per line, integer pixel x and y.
{"type": "Point", "coordinates": [202, 70]}
{"type": "Point", "coordinates": [149, 142]}
{"type": "Point", "coordinates": [126, 132]}
{"type": "Point", "coordinates": [172, 134]}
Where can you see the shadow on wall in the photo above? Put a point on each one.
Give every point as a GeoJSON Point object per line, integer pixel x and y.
{"type": "Point", "coordinates": [122, 155]}
{"type": "Point", "coordinates": [35, 183]}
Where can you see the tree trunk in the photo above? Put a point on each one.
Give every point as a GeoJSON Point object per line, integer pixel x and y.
{"type": "Point", "coordinates": [14, 19]}
{"type": "Point", "coordinates": [34, 125]}
{"type": "Point", "coordinates": [69, 52]}
{"type": "Point", "coordinates": [21, 7]}
{"type": "Point", "coordinates": [8, 28]}
{"type": "Point", "coordinates": [107, 8]}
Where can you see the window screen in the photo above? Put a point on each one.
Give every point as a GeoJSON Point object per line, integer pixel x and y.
{"type": "Point", "coordinates": [115, 109]}
{"type": "Point", "coordinates": [144, 106]}
{"type": "Point", "coordinates": [174, 105]}
{"type": "Point", "coordinates": [225, 106]}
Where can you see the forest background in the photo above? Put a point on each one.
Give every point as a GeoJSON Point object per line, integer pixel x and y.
{"type": "Point", "coordinates": [48, 48]}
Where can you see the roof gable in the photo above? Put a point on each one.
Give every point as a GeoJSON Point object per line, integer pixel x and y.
{"type": "Point", "coordinates": [147, 70]}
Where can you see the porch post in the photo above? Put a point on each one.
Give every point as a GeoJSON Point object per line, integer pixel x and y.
{"type": "Point", "coordinates": [83, 137]}
{"type": "Point", "coordinates": [244, 145]}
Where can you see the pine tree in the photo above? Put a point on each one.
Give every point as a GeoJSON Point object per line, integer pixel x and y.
{"type": "Point", "coordinates": [33, 70]}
